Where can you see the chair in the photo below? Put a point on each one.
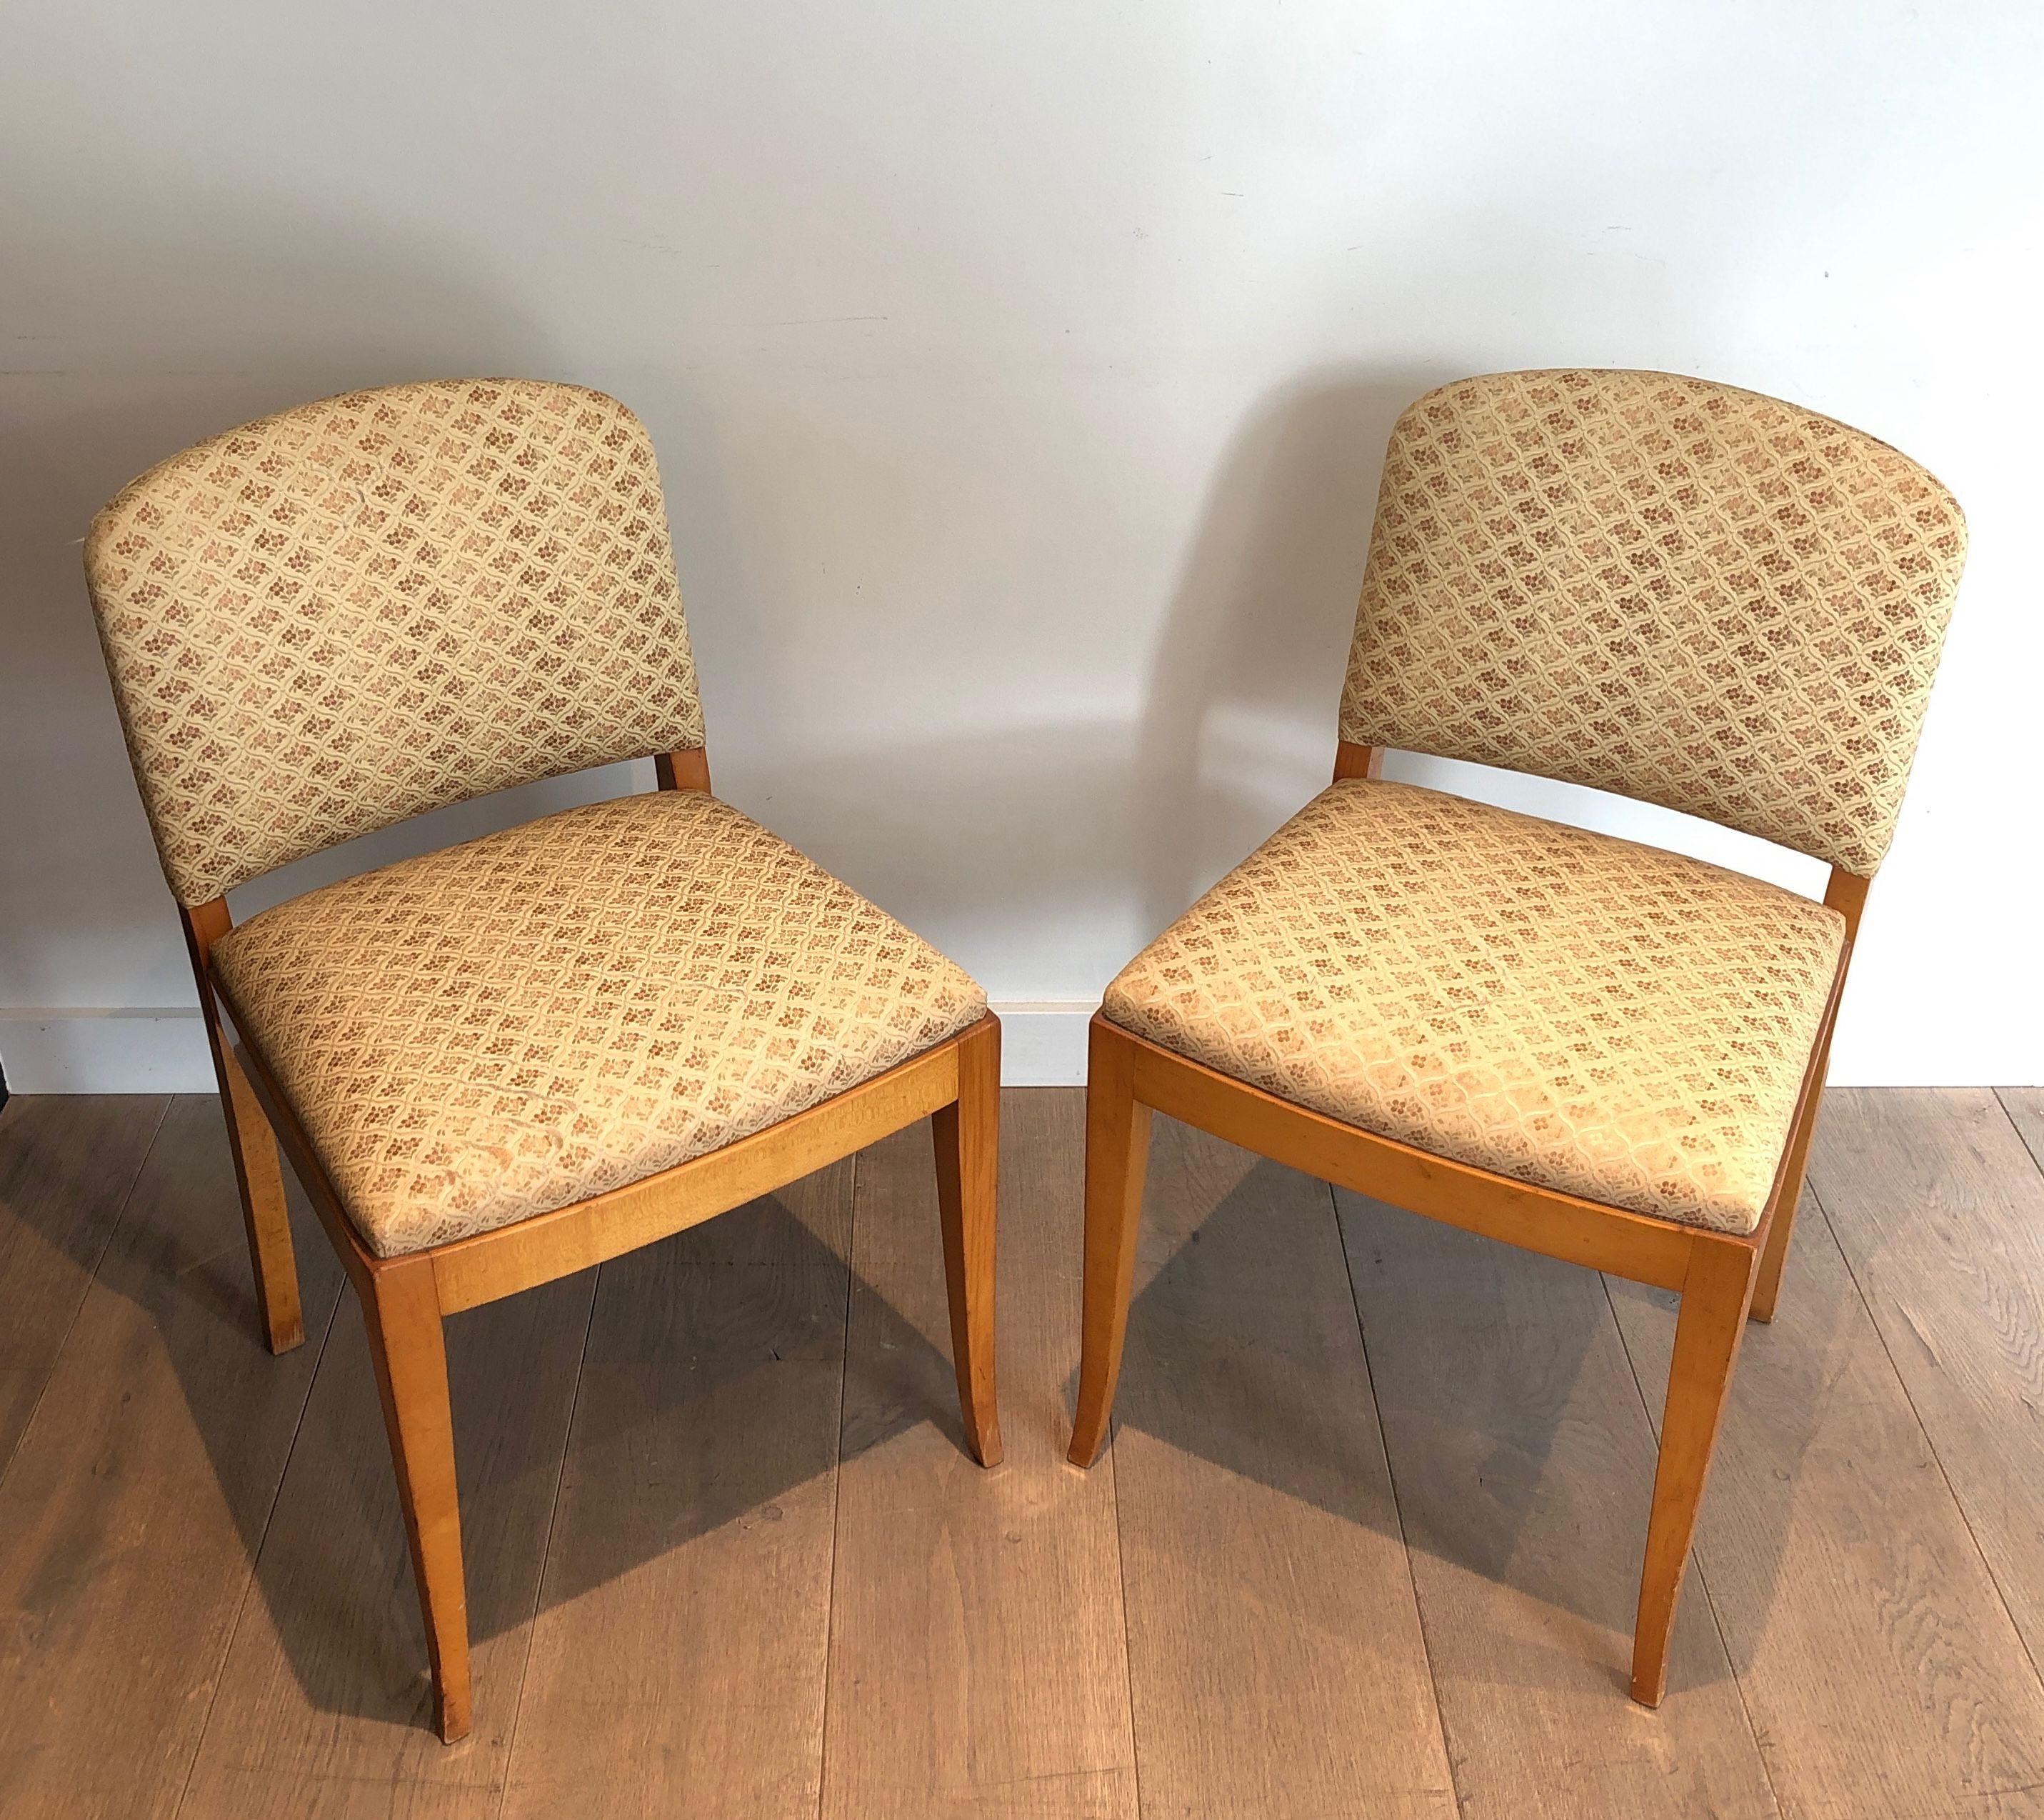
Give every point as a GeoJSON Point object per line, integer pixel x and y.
{"type": "Point", "coordinates": [511, 1060]}
{"type": "Point", "coordinates": [1684, 593]}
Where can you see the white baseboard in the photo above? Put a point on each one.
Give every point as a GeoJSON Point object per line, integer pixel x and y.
{"type": "Point", "coordinates": [1044, 1045]}
{"type": "Point", "coordinates": [63, 1048]}
{"type": "Point", "coordinates": [47, 1049]}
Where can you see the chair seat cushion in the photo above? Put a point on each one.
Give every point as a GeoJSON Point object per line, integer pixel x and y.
{"type": "Point", "coordinates": [507, 1026]}
{"type": "Point", "coordinates": [1572, 1011]}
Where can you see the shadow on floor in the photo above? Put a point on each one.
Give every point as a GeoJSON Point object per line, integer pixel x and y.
{"type": "Point", "coordinates": [1516, 1421]}
{"type": "Point", "coordinates": [703, 1374]}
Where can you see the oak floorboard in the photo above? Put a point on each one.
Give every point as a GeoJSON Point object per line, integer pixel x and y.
{"type": "Point", "coordinates": [1943, 1225]}
{"type": "Point", "coordinates": [977, 1662]}
{"type": "Point", "coordinates": [1881, 1668]}
{"type": "Point", "coordinates": [678, 1660]}
{"type": "Point", "coordinates": [1275, 1648]}
{"type": "Point", "coordinates": [2025, 1107]}
{"type": "Point", "coordinates": [66, 1164]}
{"type": "Point", "coordinates": [137, 1499]}
{"type": "Point", "coordinates": [1525, 1469]}
{"type": "Point", "coordinates": [679, 1655]}
{"type": "Point", "coordinates": [325, 1708]}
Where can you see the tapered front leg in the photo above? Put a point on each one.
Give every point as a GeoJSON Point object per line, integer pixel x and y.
{"type": "Point", "coordinates": [1715, 1294]}
{"type": "Point", "coordinates": [1117, 1152]}
{"type": "Point", "coordinates": [402, 1310]}
{"type": "Point", "coordinates": [967, 1133]}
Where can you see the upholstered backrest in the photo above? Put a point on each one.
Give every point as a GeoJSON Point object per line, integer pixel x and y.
{"type": "Point", "coordinates": [1695, 595]}
{"type": "Point", "coordinates": [327, 621]}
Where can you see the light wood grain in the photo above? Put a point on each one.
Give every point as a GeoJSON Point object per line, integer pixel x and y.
{"type": "Point", "coordinates": [539, 1250]}
{"type": "Point", "coordinates": [1710, 1323]}
{"type": "Point", "coordinates": [1846, 893]}
{"type": "Point", "coordinates": [265, 1211]}
{"type": "Point", "coordinates": [966, 1137]}
{"type": "Point", "coordinates": [324, 1705]}
{"type": "Point", "coordinates": [401, 1314]}
{"type": "Point", "coordinates": [258, 1170]}
{"type": "Point", "coordinates": [686, 767]}
{"type": "Point", "coordinates": [1943, 1227]}
{"type": "Point", "coordinates": [1873, 1651]}
{"type": "Point", "coordinates": [978, 1665]}
{"type": "Point", "coordinates": [1877, 1663]}
{"type": "Point", "coordinates": [66, 1164]}
{"type": "Point", "coordinates": [678, 1661]}
{"type": "Point", "coordinates": [1275, 1651]}
{"type": "Point", "coordinates": [1354, 760]}
{"type": "Point", "coordinates": [1117, 1159]}
{"type": "Point", "coordinates": [1540, 1219]}
{"type": "Point", "coordinates": [139, 1495]}
{"type": "Point", "coordinates": [1524, 1466]}
{"type": "Point", "coordinates": [2025, 1107]}
{"type": "Point", "coordinates": [472, 1271]}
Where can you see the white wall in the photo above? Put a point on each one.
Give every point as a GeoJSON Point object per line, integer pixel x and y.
{"type": "Point", "coordinates": [1021, 374]}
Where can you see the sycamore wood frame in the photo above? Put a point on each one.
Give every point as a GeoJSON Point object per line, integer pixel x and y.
{"type": "Point", "coordinates": [404, 1299]}
{"type": "Point", "coordinates": [1724, 1278]}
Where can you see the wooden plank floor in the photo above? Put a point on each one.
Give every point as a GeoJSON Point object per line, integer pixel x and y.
{"type": "Point", "coordinates": [1366, 1541]}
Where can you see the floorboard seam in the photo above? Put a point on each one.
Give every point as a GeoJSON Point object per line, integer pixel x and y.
{"type": "Point", "coordinates": [1398, 1510]}
{"type": "Point", "coordinates": [1922, 1427]}
{"type": "Point", "coordinates": [837, 1486]}
{"type": "Point", "coordinates": [1128, 1640]}
{"type": "Point", "coordinates": [2021, 1136]}
{"type": "Point", "coordinates": [91, 1276]}
{"type": "Point", "coordinates": [546, 1549]}
{"type": "Point", "coordinates": [1120, 1558]}
{"type": "Point", "coordinates": [249, 1580]}
{"type": "Point", "coordinates": [1696, 1561]}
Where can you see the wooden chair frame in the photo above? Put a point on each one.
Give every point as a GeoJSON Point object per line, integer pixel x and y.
{"type": "Point", "coordinates": [405, 1299]}
{"type": "Point", "coordinates": [1724, 1278]}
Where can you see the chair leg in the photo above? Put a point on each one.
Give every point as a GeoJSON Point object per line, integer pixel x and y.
{"type": "Point", "coordinates": [260, 1177]}
{"type": "Point", "coordinates": [1715, 1294]}
{"type": "Point", "coordinates": [968, 1145]}
{"type": "Point", "coordinates": [402, 1310]}
{"type": "Point", "coordinates": [1117, 1152]}
{"type": "Point", "coordinates": [1774, 1258]}
{"type": "Point", "coordinates": [258, 1174]}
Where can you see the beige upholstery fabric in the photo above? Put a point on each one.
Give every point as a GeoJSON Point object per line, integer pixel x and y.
{"type": "Point", "coordinates": [325, 622]}
{"type": "Point", "coordinates": [1566, 1009]}
{"type": "Point", "coordinates": [1692, 594]}
{"type": "Point", "coordinates": [507, 1026]}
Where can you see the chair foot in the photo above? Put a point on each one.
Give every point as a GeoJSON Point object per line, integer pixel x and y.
{"type": "Point", "coordinates": [402, 1310]}
{"type": "Point", "coordinates": [1715, 1297]}
{"type": "Point", "coordinates": [1117, 1156]}
{"type": "Point", "coordinates": [967, 1135]}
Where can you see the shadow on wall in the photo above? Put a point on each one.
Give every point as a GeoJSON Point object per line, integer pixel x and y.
{"type": "Point", "coordinates": [1078, 839]}
{"type": "Point", "coordinates": [1239, 724]}
{"type": "Point", "coordinates": [1085, 837]}
{"type": "Point", "coordinates": [256, 308]}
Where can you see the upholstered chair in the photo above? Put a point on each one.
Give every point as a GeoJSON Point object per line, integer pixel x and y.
{"type": "Point", "coordinates": [516, 1057]}
{"type": "Point", "coordinates": [1683, 593]}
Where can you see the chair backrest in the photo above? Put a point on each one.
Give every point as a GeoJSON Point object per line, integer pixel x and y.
{"type": "Point", "coordinates": [330, 619]}
{"type": "Point", "coordinates": [1686, 593]}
